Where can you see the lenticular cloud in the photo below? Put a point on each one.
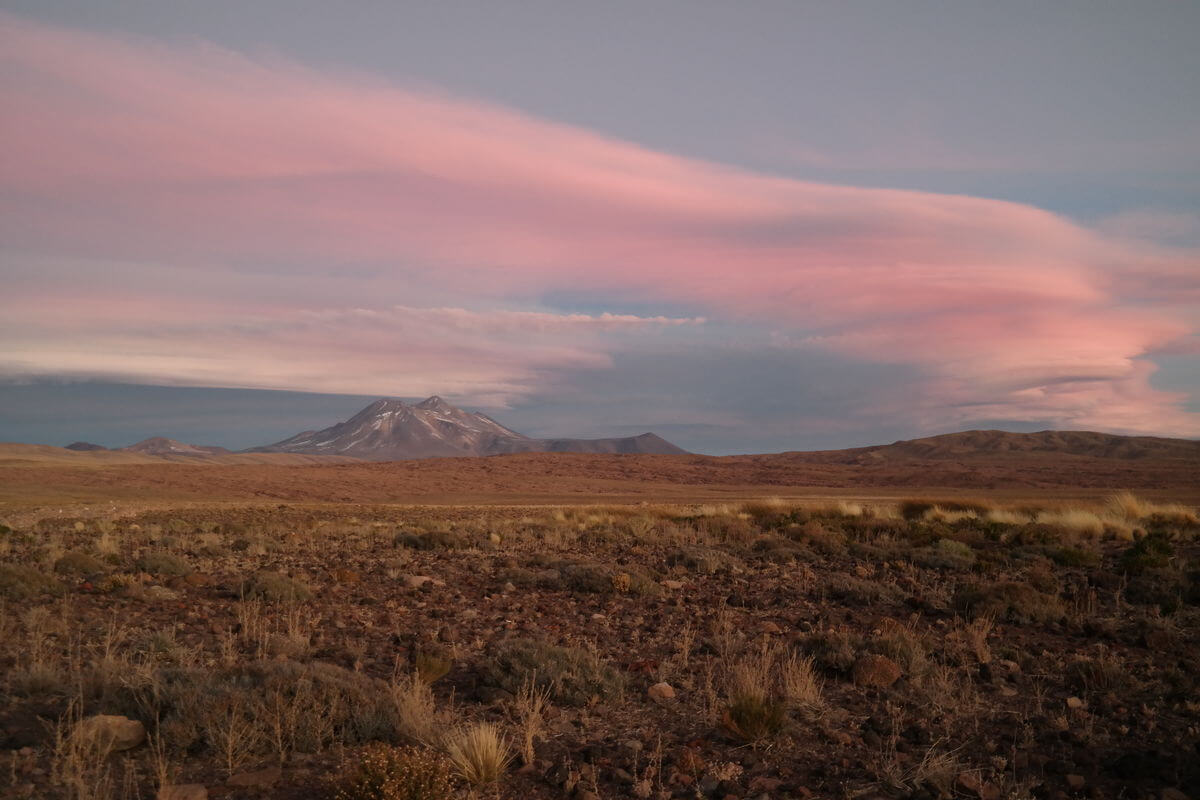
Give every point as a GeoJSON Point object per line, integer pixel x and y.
{"type": "Point", "coordinates": [205, 193]}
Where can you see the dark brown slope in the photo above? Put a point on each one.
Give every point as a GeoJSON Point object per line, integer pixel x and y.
{"type": "Point", "coordinates": [976, 445]}
{"type": "Point", "coordinates": [643, 444]}
{"type": "Point", "coordinates": [574, 477]}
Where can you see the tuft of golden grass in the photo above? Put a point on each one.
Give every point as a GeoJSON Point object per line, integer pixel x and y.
{"type": "Point", "coordinates": [799, 683]}
{"type": "Point", "coordinates": [417, 719]}
{"type": "Point", "coordinates": [530, 706]}
{"type": "Point", "coordinates": [1086, 524]}
{"type": "Point", "coordinates": [479, 753]}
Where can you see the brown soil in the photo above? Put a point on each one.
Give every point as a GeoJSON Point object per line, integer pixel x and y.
{"type": "Point", "coordinates": [957, 658]}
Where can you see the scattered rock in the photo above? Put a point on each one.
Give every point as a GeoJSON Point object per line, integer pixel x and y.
{"type": "Point", "coordinates": [673, 585]}
{"type": "Point", "coordinates": [343, 575]}
{"type": "Point", "coordinates": [1074, 702]}
{"type": "Point", "coordinates": [114, 732]}
{"type": "Point", "coordinates": [160, 594]}
{"type": "Point", "coordinates": [1076, 782]}
{"type": "Point", "coordinates": [415, 581]}
{"type": "Point", "coordinates": [661, 692]}
{"type": "Point", "coordinates": [875, 670]}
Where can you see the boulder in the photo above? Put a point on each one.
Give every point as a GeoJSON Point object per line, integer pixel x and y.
{"type": "Point", "coordinates": [113, 732]}
{"type": "Point", "coordinates": [876, 671]}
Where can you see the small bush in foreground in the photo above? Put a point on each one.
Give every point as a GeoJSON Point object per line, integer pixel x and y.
{"type": "Point", "coordinates": [571, 675]}
{"type": "Point", "coordinates": [23, 583]}
{"type": "Point", "coordinates": [1017, 602]}
{"type": "Point", "coordinates": [1153, 551]}
{"type": "Point", "coordinates": [383, 772]}
{"type": "Point", "coordinates": [163, 563]}
{"type": "Point", "coordinates": [275, 587]}
{"type": "Point", "coordinates": [76, 563]}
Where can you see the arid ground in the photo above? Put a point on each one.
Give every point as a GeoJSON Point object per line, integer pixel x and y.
{"type": "Point", "coordinates": [543, 627]}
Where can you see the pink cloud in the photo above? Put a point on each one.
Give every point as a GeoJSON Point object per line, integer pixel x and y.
{"type": "Point", "coordinates": [202, 161]}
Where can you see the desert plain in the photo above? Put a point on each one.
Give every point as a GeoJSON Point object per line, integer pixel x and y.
{"type": "Point", "coordinates": [976, 616]}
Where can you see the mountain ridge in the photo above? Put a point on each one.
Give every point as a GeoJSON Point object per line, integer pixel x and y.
{"type": "Point", "coordinates": [393, 430]}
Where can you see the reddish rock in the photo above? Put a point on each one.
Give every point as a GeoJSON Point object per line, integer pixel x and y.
{"type": "Point", "coordinates": [877, 671]}
{"type": "Point", "coordinates": [661, 692]}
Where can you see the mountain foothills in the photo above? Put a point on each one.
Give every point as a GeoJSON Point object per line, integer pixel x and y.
{"type": "Point", "coordinates": [392, 430]}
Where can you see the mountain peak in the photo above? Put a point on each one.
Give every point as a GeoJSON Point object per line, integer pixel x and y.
{"type": "Point", "coordinates": [392, 429]}
{"type": "Point", "coordinates": [435, 403]}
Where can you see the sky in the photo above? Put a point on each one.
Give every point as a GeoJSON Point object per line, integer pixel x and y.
{"type": "Point", "coordinates": [746, 227]}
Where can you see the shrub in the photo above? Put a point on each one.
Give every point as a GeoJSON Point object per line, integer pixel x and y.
{"type": "Point", "coordinates": [778, 550]}
{"type": "Point", "coordinates": [275, 587]}
{"type": "Point", "coordinates": [833, 650]}
{"type": "Point", "coordinates": [865, 592]}
{"type": "Point", "coordinates": [946, 554]}
{"type": "Point", "coordinates": [160, 562]}
{"type": "Point", "coordinates": [1153, 551]}
{"type": "Point", "coordinates": [1017, 602]}
{"type": "Point", "coordinates": [528, 578]}
{"type": "Point", "coordinates": [571, 675]}
{"type": "Point", "coordinates": [480, 754]}
{"type": "Point", "coordinates": [75, 563]}
{"type": "Point", "coordinates": [1165, 588]}
{"type": "Point", "coordinates": [1074, 557]}
{"type": "Point", "coordinates": [431, 540]}
{"type": "Point", "coordinates": [383, 772]}
{"type": "Point", "coordinates": [19, 582]}
{"type": "Point", "coordinates": [704, 560]}
{"type": "Point", "coordinates": [604, 579]}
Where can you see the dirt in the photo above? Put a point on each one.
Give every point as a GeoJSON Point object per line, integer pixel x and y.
{"type": "Point", "coordinates": [1080, 679]}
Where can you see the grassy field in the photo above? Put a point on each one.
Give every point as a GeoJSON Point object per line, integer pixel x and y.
{"type": "Point", "coordinates": [874, 646]}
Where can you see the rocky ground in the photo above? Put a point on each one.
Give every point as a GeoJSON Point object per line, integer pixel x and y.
{"type": "Point", "coordinates": [754, 651]}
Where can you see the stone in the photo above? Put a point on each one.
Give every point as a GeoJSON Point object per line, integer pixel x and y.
{"type": "Point", "coordinates": [344, 575]}
{"type": "Point", "coordinates": [259, 777]}
{"type": "Point", "coordinates": [183, 791]}
{"type": "Point", "coordinates": [415, 581]}
{"type": "Point", "coordinates": [673, 585]}
{"type": "Point", "coordinates": [1074, 702]}
{"type": "Point", "coordinates": [661, 692]}
{"type": "Point", "coordinates": [114, 732]}
{"type": "Point", "coordinates": [875, 671]}
{"type": "Point", "coordinates": [1076, 782]}
{"type": "Point", "coordinates": [161, 594]}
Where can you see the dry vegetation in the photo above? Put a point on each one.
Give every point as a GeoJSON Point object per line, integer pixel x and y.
{"type": "Point", "coordinates": [922, 649]}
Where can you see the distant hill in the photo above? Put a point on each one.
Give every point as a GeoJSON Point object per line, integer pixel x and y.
{"type": "Point", "coordinates": [162, 446]}
{"type": "Point", "coordinates": [991, 443]}
{"type": "Point", "coordinates": [392, 430]}
{"type": "Point", "coordinates": [84, 447]}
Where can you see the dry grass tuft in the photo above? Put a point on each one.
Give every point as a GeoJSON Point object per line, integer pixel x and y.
{"type": "Point", "coordinates": [479, 753]}
{"type": "Point", "coordinates": [530, 706]}
{"type": "Point", "coordinates": [417, 718]}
